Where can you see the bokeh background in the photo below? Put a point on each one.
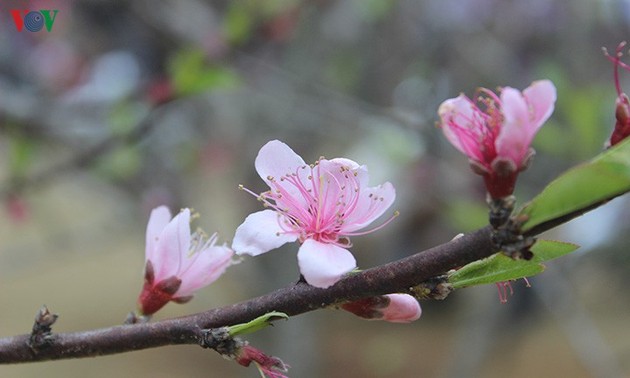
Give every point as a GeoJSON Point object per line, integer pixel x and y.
{"type": "Point", "coordinates": [124, 106]}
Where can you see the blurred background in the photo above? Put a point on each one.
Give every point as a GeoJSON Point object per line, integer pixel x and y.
{"type": "Point", "coordinates": [117, 107]}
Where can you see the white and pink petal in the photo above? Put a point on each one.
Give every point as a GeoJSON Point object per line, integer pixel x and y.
{"type": "Point", "coordinates": [172, 245]}
{"type": "Point", "coordinates": [159, 218]}
{"type": "Point", "coordinates": [322, 265]}
{"type": "Point", "coordinates": [276, 159]}
{"type": "Point", "coordinates": [373, 202]}
{"type": "Point", "coordinates": [541, 97]}
{"type": "Point", "coordinates": [208, 265]}
{"type": "Point", "coordinates": [260, 233]}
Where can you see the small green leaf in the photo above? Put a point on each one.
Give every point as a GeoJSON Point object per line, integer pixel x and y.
{"type": "Point", "coordinates": [256, 324]}
{"type": "Point", "coordinates": [602, 178]}
{"type": "Point", "coordinates": [498, 267]}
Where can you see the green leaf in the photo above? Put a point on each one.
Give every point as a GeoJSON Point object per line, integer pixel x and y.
{"type": "Point", "coordinates": [498, 267]}
{"type": "Point", "coordinates": [602, 178]}
{"type": "Point", "coordinates": [256, 324]}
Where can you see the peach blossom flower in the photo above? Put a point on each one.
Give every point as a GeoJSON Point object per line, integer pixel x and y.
{"type": "Point", "coordinates": [178, 263]}
{"type": "Point", "coordinates": [319, 205]}
{"type": "Point", "coordinates": [496, 132]}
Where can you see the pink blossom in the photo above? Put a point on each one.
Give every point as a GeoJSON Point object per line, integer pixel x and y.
{"type": "Point", "coordinates": [178, 263]}
{"type": "Point", "coordinates": [395, 308]}
{"type": "Point", "coordinates": [622, 104]}
{"type": "Point", "coordinates": [319, 205]}
{"type": "Point", "coordinates": [496, 132]}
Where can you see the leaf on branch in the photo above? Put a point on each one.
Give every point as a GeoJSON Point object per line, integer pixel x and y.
{"type": "Point", "coordinates": [499, 268]}
{"type": "Point", "coordinates": [256, 324]}
{"type": "Point", "coordinates": [603, 178]}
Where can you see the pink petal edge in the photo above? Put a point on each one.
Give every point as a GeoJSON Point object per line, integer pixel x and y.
{"type": "Point", "coordinates": [208, 267]}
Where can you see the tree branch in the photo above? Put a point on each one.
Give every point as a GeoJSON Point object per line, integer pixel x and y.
{"type": "Point", "coordinates": [398, 276]}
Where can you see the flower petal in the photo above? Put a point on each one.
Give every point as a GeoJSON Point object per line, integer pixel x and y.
{"type": "Point", "coordinates": [541, 97]}
{"type": "Point", "coordinates": [208, 266]}
{"type": "Point", "coordinates": [276, 159]}
{"type": "Point", "coordinates": [172, 246]}
{"type": "Point", "coordinates": [159, 218]}
{"type": "Point", "coordinates": [402, 308]}
{"type": "Point", "coordinates": [322, 265]}
{"type": "Point", "coordinates": [518, 130]}
{"type": "Point", "coordinates": [373, 202]}
{"type": "Point", "coordinates": [260, 233]}
{"type": "Point", "coordinates": [457, 115]}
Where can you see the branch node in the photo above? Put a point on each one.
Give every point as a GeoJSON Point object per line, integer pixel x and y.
{"type": "Point", "coordinates": [434, 288]}
{"type": "Point", "coordinates": [221, 341]}
{"type": "Point", "coordinates": [41, 335]}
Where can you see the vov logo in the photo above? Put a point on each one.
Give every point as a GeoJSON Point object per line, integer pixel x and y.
{"type": "Point", "coordinates": [34, 21]}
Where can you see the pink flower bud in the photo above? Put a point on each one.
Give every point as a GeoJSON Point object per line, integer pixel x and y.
{"type": "Point", "coordinates": [496, 132]}
{"type": "Point", "coordinates": [395, 308]}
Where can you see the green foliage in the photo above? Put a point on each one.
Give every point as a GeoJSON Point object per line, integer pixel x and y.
{"type": "Point", "coordinates": [602, 178]}
{"type": "Point", "coordinates": [21, 153]}
{"type": "Point", "coordinates": [498, 267]}
{"type": "Point", "coordinates": [238, 22]}
{"type": "Point", "coordinates": [570, 132]}
{"type": "Point", "coordinates": [192, 74]}
{"type": "Point", "coordinates": [124, 117]}
{"type": "Point", "coordinates": [466, 215]}
{"type": "Point", "coordinates": [257, 324]}
{"type": "Point", "coordinates": [121, 163]}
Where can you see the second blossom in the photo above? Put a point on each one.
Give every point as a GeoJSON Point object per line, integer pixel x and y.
{"type": "Point", "coordinates": [496, 132]}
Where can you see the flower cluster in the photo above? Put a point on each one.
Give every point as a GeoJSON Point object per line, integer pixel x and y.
{"type": "Point", "coordinates": [319, 205]}
{"type": "Point", "coordinates": [496, 132]}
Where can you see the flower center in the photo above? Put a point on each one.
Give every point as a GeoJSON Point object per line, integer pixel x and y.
{"type": "Point", "coordinates": [315, 201]}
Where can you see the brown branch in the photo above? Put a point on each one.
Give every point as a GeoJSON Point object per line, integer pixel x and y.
{"type": "Point", "coordinates": [397, 276]}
